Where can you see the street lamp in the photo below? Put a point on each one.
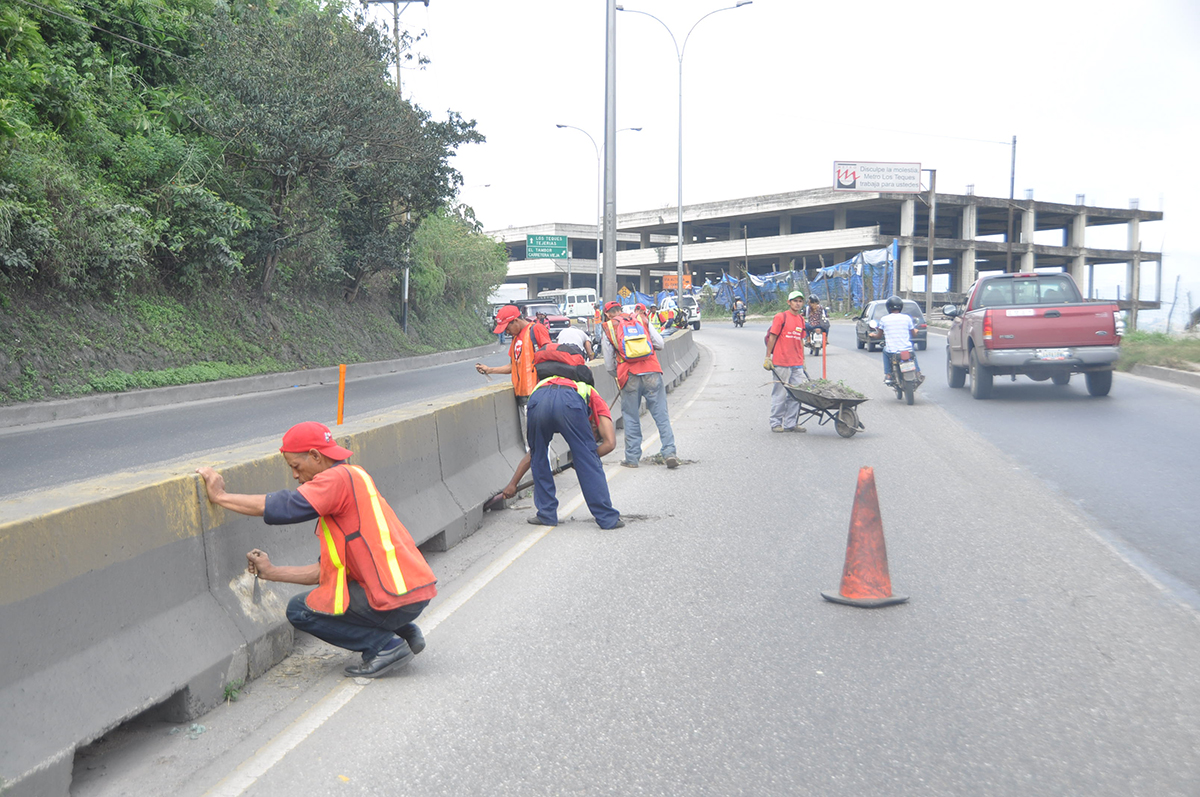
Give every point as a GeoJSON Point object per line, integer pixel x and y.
{"type": "Point", "coordinates": [599, 192]}
{"type": "Point", "coordinates": [679, 51]}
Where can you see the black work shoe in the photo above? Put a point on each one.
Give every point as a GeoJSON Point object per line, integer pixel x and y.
{"type": "Point", "coordinates": [620, 524]}
{"type": "Point", "coordinates": [627, 464]}
{"type": "Point", "coordinates": [396, 658]}
{"type": "Point", "coordinates": [534, 520]}
{"type": "Point", "coordinates": [413, 636]}
{"type": "Point", "coordinates": [672, 462]}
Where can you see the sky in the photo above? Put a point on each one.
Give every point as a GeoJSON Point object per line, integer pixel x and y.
{"type": "Point", "coordinates": [1103, 97]}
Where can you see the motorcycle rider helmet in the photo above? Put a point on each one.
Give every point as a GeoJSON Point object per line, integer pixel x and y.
{"type": "Point", "coordinates": [894, 304]}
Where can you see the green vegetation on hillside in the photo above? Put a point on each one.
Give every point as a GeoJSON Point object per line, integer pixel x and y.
{"type": "Point", "coordinates": [1158, 348]}
{"type": "Point", "coordinates": [193, 189]}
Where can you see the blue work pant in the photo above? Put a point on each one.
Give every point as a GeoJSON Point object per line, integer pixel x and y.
{"type": "Point", "coordinates": [652, 387]}
{"type": "Point", "coordinates": [360, 628]}
{"type": "Point", "coordinates": [561, 410]}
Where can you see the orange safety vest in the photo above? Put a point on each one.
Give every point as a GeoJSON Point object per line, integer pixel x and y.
{"type": "Point", "coordinates": [614, 330]}
{"type": "Point", "coordinates": [379, 554]}
{"type": "Point", "coordinates": [520, 352]}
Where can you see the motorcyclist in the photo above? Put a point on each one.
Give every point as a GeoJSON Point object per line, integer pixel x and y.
{"type": "Point", "coordinates": [739, 307]}
{"type": "Point", "coordinates": [897, 330]}
{"type": "Point", "coordinates": [815, 317]}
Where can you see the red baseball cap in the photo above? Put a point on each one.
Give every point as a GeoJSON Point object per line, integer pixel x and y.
{"type": "Point", "coordinates": [508, 313]}
{"type": "Point", "coordinates": [303, 437]}
{"type": "Point", "coordinates": [613, 305]}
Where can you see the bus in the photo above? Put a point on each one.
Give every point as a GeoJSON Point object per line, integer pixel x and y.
{"type": "Point", "coordinates": [574, 302]}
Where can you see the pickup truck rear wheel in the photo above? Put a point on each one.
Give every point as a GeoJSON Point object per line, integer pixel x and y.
{"type": "Point", "coordinates": [1061, 377]}
{"type": "Point", "coordinates": [1098, 382]}
{"type": "Point", "coordinates": [955, 376]}
{"type": "Point", "coordinates": [981, 378]}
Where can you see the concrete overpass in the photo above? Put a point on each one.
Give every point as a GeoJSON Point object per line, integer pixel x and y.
{"type": "Point", "coordinates": [805, 229]}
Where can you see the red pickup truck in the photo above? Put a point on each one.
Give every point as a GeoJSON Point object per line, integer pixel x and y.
{"type": "Point", "coordinates": [1033, 324]}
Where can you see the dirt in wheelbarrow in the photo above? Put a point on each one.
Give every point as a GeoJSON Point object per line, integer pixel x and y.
{"type": "Point", "coordinates": [830, 390]}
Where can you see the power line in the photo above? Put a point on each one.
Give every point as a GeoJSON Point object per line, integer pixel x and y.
{"type": "Point", "coordinates": [102, 30]}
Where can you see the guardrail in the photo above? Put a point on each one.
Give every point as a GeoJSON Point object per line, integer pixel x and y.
{"type": "Point", "coordinates": [130, 594]}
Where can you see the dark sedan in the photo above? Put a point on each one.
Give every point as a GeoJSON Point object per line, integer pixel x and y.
{"type": "Point", "coordinates": [877, 310]}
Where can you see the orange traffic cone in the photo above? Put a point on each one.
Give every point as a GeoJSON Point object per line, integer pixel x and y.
{"type": "Point", "coordinates": [865, 579]}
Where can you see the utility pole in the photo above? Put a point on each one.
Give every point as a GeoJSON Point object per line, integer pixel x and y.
{"type": "Point", "coordinates": [1012, 180]}
{"type": "Point", "coordinates": [929, 250]}
{"type": "Point", "coordinates": [396, 29]}
{"type": "Point", "coordinates": [610, 152]}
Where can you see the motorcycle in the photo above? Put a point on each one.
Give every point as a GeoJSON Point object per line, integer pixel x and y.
{"type": "Point", "coordinates": [815, 340]}
{"type": "Point", "coordinates": [905, 376]}
{"type": "Point", "coordinates": [739, 316]}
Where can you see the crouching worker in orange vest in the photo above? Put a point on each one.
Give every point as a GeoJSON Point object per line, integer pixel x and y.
{"type": "Point", "coordinates": [371, 580]}
{"type": "Point", "coordinates": [565, 402]}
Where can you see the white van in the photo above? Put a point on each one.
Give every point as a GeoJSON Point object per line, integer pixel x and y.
{"type": "Point", "coordinates": [575, 303]}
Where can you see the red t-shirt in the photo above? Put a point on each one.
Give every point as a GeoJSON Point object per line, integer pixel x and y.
{"type": "Point", "coordinates": [597, 406]}
{"type": "Point", "coordinates": [331, 494]}
{"type": "Point", "coordinates": [789, 347]}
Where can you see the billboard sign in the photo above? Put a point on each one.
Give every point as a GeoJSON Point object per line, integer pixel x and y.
{"type": "Point", "coordinates": [876, 176]}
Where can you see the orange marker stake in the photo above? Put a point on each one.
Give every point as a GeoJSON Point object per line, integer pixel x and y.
{"type": "Point", "coordinates": [341, 392]}
{"type": "Point", "coordinates": [824, 346]}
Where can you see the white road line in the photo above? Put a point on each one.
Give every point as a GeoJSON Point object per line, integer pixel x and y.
{"type": "Point", "coordinates": [270, 754]}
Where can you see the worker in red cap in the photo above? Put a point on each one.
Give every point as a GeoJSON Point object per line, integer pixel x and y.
{"type": "Point", "coordinates": [564, 402]}
{"type": "Point", "coordinates": [527, 338]}
{"type": "Point", "coordinates": [371, 580]}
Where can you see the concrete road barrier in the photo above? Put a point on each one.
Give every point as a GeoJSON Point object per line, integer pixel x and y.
{"type": "Point", "coordinates": [130, 594]}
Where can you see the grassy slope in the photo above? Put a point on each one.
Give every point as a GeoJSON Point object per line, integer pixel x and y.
{"type": "Point", "coordinates": [56, 347]}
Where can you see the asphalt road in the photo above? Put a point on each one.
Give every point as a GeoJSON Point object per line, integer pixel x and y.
{"type": "Point", "coordinates": [54, 454]}
{"type": "Point", "coordinates": [690, 653]}
{"type": "Point", "coordinates": [1128, 460]}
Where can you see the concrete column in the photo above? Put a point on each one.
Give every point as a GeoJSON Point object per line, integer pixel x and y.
{"type": "Point", "coordinates": [1028, 225]}
{"type": "Point", "coordinates": [645, 241]}
{"type": "Point", "coordinates": [644, 280]}
{"type": "Point", "coordinates": [839, 219]}
{"type": "Point", "coordinates": [785, 225]}
{"type": "Point", "coordinates": [735, 230]}
{"type": "Point", "coordinates": [904, 270]}
{"type": "Point", "coordinates": [966, 262]}
{"type": "Point", "coordinates": [1075, 239]}
{"type": "Point", "coordinates": [1133, 273]}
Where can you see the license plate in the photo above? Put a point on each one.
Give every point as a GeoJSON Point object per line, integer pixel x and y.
{"type": "Point", "coordinates": [907, 365]}
{"type": "Point", "coordinates": [1052, 354]}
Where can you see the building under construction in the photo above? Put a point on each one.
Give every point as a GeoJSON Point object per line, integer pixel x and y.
{"type": "Point", "coordinates": [821, 227]}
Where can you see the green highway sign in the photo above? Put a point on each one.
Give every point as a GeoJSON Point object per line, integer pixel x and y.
{"type": "Point", "coordinates": [545, 247]}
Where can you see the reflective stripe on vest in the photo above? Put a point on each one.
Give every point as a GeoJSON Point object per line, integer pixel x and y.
{"type": "Point", "coordinates": [335, 560]}
{"type": "Point", "coordinates": [582, 388]}
{"type": "Point", "coordinates": [385, 539]}
{"type": "Point", "coordinates": [379, 554]}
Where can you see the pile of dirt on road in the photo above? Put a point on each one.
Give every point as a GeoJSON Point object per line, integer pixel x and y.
{"type": "Point", "coordinates": [831, 390]}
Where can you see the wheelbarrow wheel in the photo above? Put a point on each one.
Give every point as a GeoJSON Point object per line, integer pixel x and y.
{"type": "Point", "coordinates": [846, 422]}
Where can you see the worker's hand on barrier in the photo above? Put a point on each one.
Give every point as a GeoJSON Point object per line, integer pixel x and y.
{"type": "Point", "coordinates": [767, 364]}
{"type": "Point", "coordinates": [213, 481]}
{"type": "Point", "coordinates": [258, 562]}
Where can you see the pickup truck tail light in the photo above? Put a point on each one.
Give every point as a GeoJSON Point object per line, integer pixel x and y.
{"type": "Point", "coordinates": [1119, 323]}
{"type": "Point", "coordinates": [987, 326]}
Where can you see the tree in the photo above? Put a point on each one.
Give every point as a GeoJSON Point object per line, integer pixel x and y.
{"type": "Point", "coordinates": [454, 262]}
{"type": "Point", "coordinates": [300, 96]}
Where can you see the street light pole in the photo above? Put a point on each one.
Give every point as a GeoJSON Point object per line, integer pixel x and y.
{"type": "Point", "coordinates": [929, 243]}
{"type": "Point", "coordinates": [599, 194]}
{"type": "Point", "coordinates": [679, 52]}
